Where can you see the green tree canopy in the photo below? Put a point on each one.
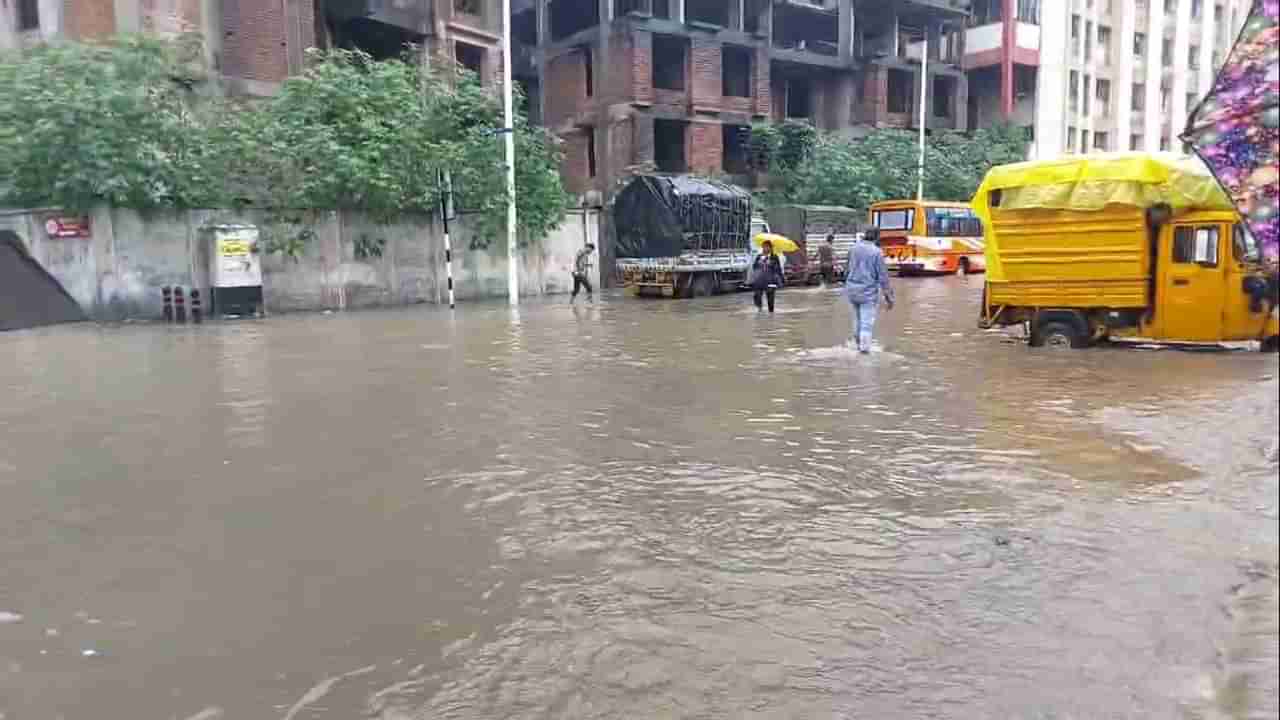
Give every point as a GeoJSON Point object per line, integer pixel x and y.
{"type": "Point", "coordinates": [883, 165]}
{"type": "Point", "coordinates": [118, 123]}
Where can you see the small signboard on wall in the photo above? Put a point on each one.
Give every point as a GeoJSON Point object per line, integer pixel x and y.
{"type": "Point", "coordinates": [67, 226]}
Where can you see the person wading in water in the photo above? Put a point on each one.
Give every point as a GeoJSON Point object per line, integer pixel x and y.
{"type": "Point", "coordinates": [582, 264]}
{"type": "Point", "coordinates": [827, 260]}
{"type": "Point", "coordinates": [866, 278]}
{"type": "Point", "coordinates": [766, 275]}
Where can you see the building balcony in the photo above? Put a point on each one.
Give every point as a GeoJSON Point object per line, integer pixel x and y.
{"type": "Point", "coordinates": [984, 45]}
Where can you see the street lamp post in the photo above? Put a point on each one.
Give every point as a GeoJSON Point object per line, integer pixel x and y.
{"type": "Point", "coordinates": [509, 138]}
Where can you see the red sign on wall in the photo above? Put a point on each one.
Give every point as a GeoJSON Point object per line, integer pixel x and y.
{"type": "Point", "coordinates": [60, 226]}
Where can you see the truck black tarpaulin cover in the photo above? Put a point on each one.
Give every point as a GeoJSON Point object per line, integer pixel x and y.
{"type": "Point", "coordinates": [658, 216]}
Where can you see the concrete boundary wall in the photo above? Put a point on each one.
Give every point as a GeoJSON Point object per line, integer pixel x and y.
{"type": "Point", "coordinates": [117, 271]}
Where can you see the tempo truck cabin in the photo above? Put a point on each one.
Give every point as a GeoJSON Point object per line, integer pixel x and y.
{"type": "Point", "coordinates": [1140, 246]}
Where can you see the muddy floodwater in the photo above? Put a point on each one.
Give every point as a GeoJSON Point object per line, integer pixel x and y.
{"type": "Point", "coordinates": [634, 509]}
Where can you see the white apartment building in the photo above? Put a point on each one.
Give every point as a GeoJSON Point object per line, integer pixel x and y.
{"type": "Point", "coordinates": [1095, 75]}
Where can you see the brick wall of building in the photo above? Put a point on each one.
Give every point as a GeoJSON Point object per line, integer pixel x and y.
{"type": "Point", "coordinates": [564, 86]}
{"type": "Point", "coordinates": [573, 168]}
{"type": "Point", "coordinates": [88, 19]}
{"type": "Point", "coordinates": [705, 77]}
{"type": "Point", "coordinates": [642, 66]}
{"type": "Point", "coordinates": [704, 147]}
{"type": "Point", "coordinates": [760, 71]}
{"type": "Point", "coordinates": [254, 41]}
{"type": "Point", "coordinates": [621, 159]}
{"type": "Point", "coordinates": [170, 16]}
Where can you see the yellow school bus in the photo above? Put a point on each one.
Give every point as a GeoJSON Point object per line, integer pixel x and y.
{"type": "Point", "coordinates": [929, 237]}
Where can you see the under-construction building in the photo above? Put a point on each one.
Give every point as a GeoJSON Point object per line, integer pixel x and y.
{"type": "Point", "coordinates": [673, 85]}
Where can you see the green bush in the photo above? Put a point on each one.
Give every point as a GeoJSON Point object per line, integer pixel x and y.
{"type": "Point", "coordinates": [118, 123]}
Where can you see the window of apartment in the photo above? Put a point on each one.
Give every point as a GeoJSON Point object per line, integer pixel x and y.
{"type": "Point", "coordinates": [1192, 100]}
{"type": "Point", "coordinates": [28, 15]}
{"type": "Point", "coordinates": [1084, 141]}
{"type": "Point", "coordinates": [1073, 91]}
{"type": "Point", "coordinates": [735, 71]}
{"type": "Point", "coordinates": [1164, 144]}
{"type": "Point", "coordinates": [799, 98]}
{"type": "Point", "coordinates": [1104, 96]}
{"type": "Point", "coordinates": [590, 133]}
{"type": "Point", "coordinates": [1166, 99]}
{"type": "Point", "coordinates": [987, 12]}
{"type": "Point", "coordinates": [1088, 41]}
{"type": "Point", "coordinates": [470, 57]}
{"type": "Point", "coordinates": [1029, 11]}
{"type": "Point", "coordinates": [1217, 13]}
{"type": "Point", "coordinates": [568, 17]}
{"type": "Point", "coordinates": [736, 141]}
{"type": "Point", "coordinates": [668, 146]}
{"type": "Point", "coordinates": [1135, 142]}
{"type": "Point", "coordinates": [1166, 52]}
{"type": "Point", "coordinates": [1088, 104]}
{"type": "Point", "coordinates": [711, 12]}
{"type": "Point", "coordinates": [1075, 35]}
{"type": "Point", "coordinates": [1139, 100]}
{"type": "Point", "coordinates": [1170, 7]}
{"type": "Point", "coordinates": [944, 92]}
{"type": "Point", "coordinates": [1104, 43]}
{"type": "Point", "coordinates": [1101, 141]}
{"type": "Point", "coordinates": [1139, 45]}
{"type": "Point", "coordinates": [900, 82]}
{"type": "Point", "coordinates": [1193, 57]}
{"type": "Point", "coordinates": [1197, 8]}
{"type": "Point", "coordinates": [1071, 139]}
{"type": "Point", "coordinates": [467, 7]}
{"type": "Point", "coordinates": [668, 62]}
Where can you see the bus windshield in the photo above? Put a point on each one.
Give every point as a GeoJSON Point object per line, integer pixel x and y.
{"type": "Point", "coordinates": [894, 219]}
{"type": "Point", "coordinates": [952, 222]}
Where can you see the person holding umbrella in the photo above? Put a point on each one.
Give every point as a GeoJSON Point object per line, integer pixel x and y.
{"type": "Point", "coordinates": [866, 279]}
{"type": "Point", "coordinates": [766, 270]}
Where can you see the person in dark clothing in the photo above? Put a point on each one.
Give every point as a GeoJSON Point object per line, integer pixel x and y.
{"type": "Point", "coordinates": [581, 265]}
{"type": "Point", "coordinates": [827, 260]}
{"type": "Point", "coordinates": [766, 276]}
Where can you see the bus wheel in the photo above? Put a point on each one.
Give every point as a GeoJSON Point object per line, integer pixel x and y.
{"type": "Point", "coordinates": [1058, 335]}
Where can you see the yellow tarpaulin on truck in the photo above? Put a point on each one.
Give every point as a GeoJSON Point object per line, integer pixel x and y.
{"type": "Point", "coordinates": [1092, 182]}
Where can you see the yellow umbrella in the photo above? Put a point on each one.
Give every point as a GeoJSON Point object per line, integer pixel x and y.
{"type": "Point", "coordinates": [781, 243]}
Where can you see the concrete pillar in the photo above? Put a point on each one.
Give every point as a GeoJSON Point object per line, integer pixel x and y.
{"type": "Point", "coordinates": [540, 56]}
{"type": "Point", "coordinates": [603, 68]}
{"type": "Point", "coordinates": [844, 29]}
{"type": "Point", "coordinates": [843, 94]}
{"type": "Point", "coordinates": [540, 15]}
{"type": "Point", "coordinates": [1009, 34]}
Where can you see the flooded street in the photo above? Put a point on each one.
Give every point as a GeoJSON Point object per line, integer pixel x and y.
{"type": "Point", "coordinates": [637, 509]}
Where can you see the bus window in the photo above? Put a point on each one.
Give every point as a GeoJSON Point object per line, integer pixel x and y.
{"type": "Point", "coordinates": [952, 222]}
{"type": "Point", "coordinates": [898, 219]}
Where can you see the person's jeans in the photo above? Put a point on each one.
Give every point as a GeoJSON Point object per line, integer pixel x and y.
{"type": "Point", "coordinates": [768, 293]}
{"type": "Point", "coordinates": [580, 282]}
{"type": "Point", "coordinates": [864, 324]}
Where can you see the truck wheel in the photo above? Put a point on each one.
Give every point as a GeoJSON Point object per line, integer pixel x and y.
{"type": "Point", "coordinates": [1271, 344]}
{"type": "Point", "coordinates": [1058, 335]}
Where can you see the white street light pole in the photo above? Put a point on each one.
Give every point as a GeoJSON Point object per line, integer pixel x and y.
{"type": "Point", "coordinates": [509, 137]}
{"type": "Point", "coordinates": [924, 113]}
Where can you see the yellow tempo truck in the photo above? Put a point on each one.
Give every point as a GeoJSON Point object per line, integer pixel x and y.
{"type": "Point", "coordinates": [1127, 245]}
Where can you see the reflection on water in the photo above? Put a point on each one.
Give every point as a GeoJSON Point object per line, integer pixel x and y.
{"type": "Point", "coordinates": [632, 509]}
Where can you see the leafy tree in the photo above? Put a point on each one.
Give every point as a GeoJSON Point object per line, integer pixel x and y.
{"type": "Point", "coordinates": [87, 124]}
{"type": "Point", "coordinates": [883, 166]}
{"type": "Point", "coordinates": [118, 123]}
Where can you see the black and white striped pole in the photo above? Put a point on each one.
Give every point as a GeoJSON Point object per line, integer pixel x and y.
{"type": "Point", "coordinates": [446, 212]}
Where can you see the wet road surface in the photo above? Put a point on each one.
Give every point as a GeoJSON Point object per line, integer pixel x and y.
{"type": "Point", "coordinates": [629, 510]}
